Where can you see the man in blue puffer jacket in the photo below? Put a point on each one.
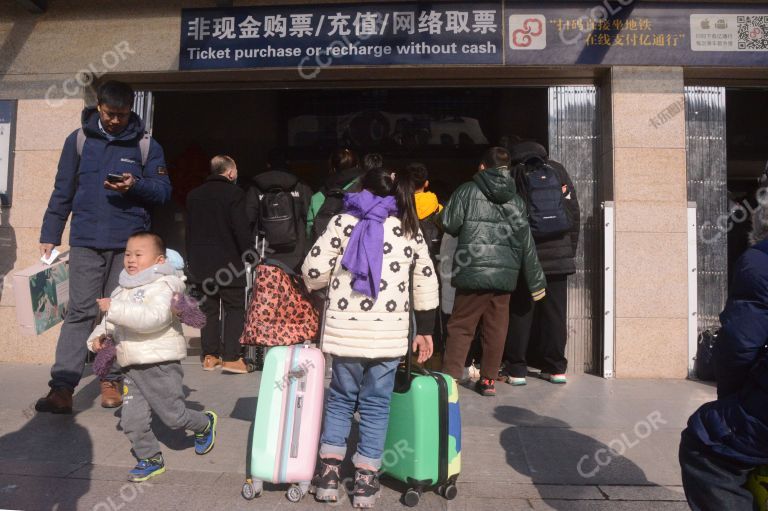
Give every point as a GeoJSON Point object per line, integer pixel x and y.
{"type": "Point", "coordinates": [105, 211]}
{"type": "Point", "coordinates": [727, 438]}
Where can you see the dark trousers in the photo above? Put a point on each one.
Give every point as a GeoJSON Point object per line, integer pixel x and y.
{"type": "Point", "coordinates": [211, 336]}
{"type": "Point", "coordinates": [475, 353]}
{"type": "Point", "coordinates": [711, 482]}
{"type": "Point", "coordinates": [93, 274]}
{"type": "Point", "coordinates": [468, 309]}
{"type": "Point", "coordinates": [538, 331]}
{"type": "Point", "coordinates": [475, 349]}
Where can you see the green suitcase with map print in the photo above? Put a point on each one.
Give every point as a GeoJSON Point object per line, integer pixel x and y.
{"type": "Point", "coordinates": [423, 445]}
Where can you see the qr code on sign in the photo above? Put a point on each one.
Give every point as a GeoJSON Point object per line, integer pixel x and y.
{"type": "Point", "coordinates": [753, 32]}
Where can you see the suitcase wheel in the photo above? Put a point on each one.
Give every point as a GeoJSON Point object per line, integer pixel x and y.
{"type": "Point", "coordinates": [448, 491]}
{"type": "Point", "coordinates": [252, 489]}
{"type": "Point", "coordinates": [412, 497]}
{"type": "Point", "coordinates": [295, 493]}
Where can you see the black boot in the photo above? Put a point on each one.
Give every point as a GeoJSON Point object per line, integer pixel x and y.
{"type": "Point", "coordinates": [367, 489]}
{"type": "Point", "coordinates": [58, 400]}
{"type": "Point", "coordinates": [326, 485]}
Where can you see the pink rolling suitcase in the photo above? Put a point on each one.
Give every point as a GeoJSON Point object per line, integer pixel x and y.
{"type": "Point", "coordinates": [286, 430]}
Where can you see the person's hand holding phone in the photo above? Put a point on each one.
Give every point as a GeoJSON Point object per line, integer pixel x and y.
{"type": "Point", "coordinates": [122, 186]}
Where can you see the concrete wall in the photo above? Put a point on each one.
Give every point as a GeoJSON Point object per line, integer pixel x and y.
{"type": "Point", "coordinates": [40, 133]}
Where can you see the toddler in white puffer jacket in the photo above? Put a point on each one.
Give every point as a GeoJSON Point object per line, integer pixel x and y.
{"type": "Point", "coordinates": [149, 347]}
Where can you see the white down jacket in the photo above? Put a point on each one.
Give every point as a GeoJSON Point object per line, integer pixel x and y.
{"type": "Point", "coordinates": [144, 328]}
{"type": "Point", "coordinates": [356, 325]}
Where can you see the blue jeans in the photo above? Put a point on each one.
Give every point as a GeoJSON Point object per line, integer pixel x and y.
{"type": "Point", "coordinates": [370, 383]}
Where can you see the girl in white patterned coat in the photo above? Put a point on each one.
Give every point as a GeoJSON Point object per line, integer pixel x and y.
{"type": "Point", "coordinates": [375, 262]}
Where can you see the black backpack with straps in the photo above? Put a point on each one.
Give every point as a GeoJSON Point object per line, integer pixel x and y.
{"type": "Point", "coordinates": [432, 233]}
{"type": "Point", "coordinates": [542, 190]}
{"type": "Point", "coordinates": [279, 218]}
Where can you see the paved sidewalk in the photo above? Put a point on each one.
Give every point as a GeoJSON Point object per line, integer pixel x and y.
{"type": "Point", "coordinates": [537, 447]}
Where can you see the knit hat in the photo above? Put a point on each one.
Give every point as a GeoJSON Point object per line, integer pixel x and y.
{"type": "Point", "coordinates": [174, 258]}
{"type": "Point", "coordinates": [523, 152]}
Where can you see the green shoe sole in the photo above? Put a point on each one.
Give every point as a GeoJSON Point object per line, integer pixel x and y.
{"type": "Point", "coordinates": [213, 423]}
{"type": "Point", "coordinates": [559, 379]}
{"type": "Point", "coordinates": [139, 479]}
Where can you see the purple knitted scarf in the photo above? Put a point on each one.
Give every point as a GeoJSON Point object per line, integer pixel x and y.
{"type": "Point", "coordinates": [364, 253]}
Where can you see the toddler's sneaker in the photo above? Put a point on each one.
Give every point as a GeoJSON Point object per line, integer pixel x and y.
{"type": "Point", "coordinates": [516, 382]}
{"type": "Point", "coordinates": [147, 468]}
{"type": "Point", "coordinates": [553, 378]}
{"type": "Point", "coordinates": [204, 441]}
{"type": "Point", "coordinates": [367, 489]}
{"type": "Point", "coordinates": [485, 387]}
{"type": "Point", "coordinates": [326, 484]}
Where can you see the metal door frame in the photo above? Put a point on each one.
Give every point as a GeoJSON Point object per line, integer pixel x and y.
{"type": "Point", "coordinates": [574, 141]}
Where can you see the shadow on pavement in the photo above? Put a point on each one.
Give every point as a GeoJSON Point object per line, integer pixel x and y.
{"type": "Point", "coordinates": [47, 446]}
{"type": "Point", "coordinates": [546, 450]}
{"type": "Point", "coordinates": [244, 409]}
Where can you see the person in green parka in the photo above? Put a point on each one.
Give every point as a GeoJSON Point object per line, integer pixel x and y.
{"type": "Point", "coordinates": [495, 244]}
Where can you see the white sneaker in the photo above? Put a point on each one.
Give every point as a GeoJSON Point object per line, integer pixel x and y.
{"type": "Point", "coordinates": [473, 372]}
{"type": "Point", "coordinates": [554, 378]}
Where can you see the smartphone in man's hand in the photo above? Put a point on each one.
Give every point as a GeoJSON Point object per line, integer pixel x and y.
{"type": "Point", "coordinates": [115, 178]}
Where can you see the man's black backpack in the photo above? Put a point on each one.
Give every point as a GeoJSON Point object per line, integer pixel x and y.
{"type": "Point", "coordinates": [432, 233]}
{"type": "Point", "coordinates": [542, 189]}
{"type": "Point", "coordinates": [279, 218]}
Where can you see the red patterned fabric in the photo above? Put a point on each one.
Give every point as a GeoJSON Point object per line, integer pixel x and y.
{"type": "Point", "coordinates": [278, 315]}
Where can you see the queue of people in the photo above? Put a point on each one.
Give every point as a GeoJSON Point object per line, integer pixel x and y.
{"type": "Point", "coordinates": [376, 239]}
{"type": "Point", "coordinates": [378, 230]}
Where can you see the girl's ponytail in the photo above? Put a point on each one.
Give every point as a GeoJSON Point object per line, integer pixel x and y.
{"type": "Point", "coordinates": [404, 190]}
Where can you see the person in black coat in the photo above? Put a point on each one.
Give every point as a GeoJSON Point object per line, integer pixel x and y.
{"type": "Point", "coordinates": [727, 438]}
{"type": "Point", "coordinates": [539, 329]}
{"type": "Point", "coordinates": [218, 242]}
